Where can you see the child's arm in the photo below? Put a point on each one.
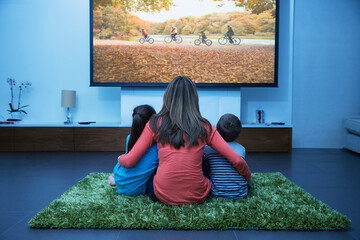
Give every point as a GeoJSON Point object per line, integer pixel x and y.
{"type": "Point", "coordinates": [127, 143]}
{"type": "Point", "coordinates": [145, 140]}
{"type": "Point", "coordinates": [219, 145]}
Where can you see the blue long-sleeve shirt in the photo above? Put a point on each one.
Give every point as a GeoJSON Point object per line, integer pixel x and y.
{"type": "Point", "coordinates": [132, 181]}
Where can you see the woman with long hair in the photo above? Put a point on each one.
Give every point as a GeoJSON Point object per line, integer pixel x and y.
{"type": "Point", "coordinates": [132, 181]}
{"type": "Point", "coordinates": [181, 134]}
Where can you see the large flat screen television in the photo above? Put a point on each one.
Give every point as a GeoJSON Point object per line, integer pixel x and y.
{"type": "Point", "coordinates": [214, 42]}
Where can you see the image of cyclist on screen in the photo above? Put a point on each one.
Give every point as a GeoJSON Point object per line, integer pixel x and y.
{"type": "Point", "coordinates": [173, 32]}
{"type": "Point", "coordinates": [230, 33]}
{"type": "Point", "coordinates": [144, 33]}
{"type": "Point", "coordinates": [203, 36]}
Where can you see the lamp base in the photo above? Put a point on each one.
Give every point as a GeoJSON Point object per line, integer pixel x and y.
{"type": "Point", "coordinates": [68, 117]}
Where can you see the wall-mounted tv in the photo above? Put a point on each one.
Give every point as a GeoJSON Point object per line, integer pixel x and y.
{"type": "Point", "coordinates": [214, 42]}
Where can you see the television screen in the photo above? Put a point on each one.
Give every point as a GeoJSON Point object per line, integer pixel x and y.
{"type": "Point", "coordinates": [214, 42]}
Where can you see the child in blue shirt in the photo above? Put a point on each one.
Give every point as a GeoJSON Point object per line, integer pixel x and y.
{"type": "Point", "coordinates": [225, 180]}
{"type": "Point", "coordinates": [132, 181]}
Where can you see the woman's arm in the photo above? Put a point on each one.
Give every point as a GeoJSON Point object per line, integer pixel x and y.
{"type": "Point", "coordinates": [145, 140]}
{"type": "Point", "coordinates": [219, 145]}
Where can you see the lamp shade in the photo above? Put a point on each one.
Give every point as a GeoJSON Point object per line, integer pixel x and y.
{"type": "Point", "coordinates": [68, 98]}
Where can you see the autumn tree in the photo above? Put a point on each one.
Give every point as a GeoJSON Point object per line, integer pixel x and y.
{"type": "Point", "coordinates": [167, 29]}
{"type": "Point", "coordinates": [217, 20]}
{"type": "Point", "coordinates": [266, 22]}
{"type": "Point", "coordinates": [251, 25]}
{"type": "Point", "coordinates": [109, 25]}
{"type": "Point", "coordinates": [187, 30]}
{"type": "Point", "coordinates": [97, 20]}
{"type": "Point", "coordinates": [255, 6]}
{"type": "Point", "coordinates": [135, 24]}
{"type": "Point", "coordinates": [196, 29]}
{"type": "Point", "coordinates": [136, 5]}
{"type": "Point", "coordinates": [159, 27]}
{"type": "Point", "coordinates": [114, 22]}
{"type": "Point", "coordinates": [203, 24]}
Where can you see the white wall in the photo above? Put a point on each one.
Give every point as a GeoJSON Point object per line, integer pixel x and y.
{"type": "Point", "coordinates": [47, 43]}
{"type": "Point", "coordinates": [326, 71]}
{"type": "Point", "coordinates": [213, 102]}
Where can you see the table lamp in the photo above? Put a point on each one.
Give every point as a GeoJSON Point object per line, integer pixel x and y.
{"type": "Point", "coordinates": [68, 100]}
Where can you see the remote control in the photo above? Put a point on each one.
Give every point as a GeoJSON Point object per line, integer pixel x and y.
{"type": "Point", "coordinates": [86, 122]}
{"type": "Point", "coordinates": [278, 123]}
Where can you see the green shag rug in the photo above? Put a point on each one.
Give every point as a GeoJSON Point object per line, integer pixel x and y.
{"type": "Point", "coordinates": [274, 203]}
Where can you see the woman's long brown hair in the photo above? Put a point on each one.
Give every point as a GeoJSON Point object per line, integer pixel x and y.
{"type": "Point", "coordinates": [180, 120]}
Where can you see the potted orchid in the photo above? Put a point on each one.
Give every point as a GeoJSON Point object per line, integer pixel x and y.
{"type": "Point", "coordinates": [17, 110]}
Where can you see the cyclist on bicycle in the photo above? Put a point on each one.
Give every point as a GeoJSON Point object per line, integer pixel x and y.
{"type": "Point", "coordinates": [144, 33]}
{"type": "Point", "coordinates": [173, 32]}
{"type": "Point", "coordinates": [230, 33]}
{"type": "Point", "coordinates": [203, 36]}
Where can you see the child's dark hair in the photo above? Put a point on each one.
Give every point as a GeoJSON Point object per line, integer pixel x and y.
{"type": "Point", "coordinates": [229, 127]}
{"type": "Point", "coordinates": [141, 116]}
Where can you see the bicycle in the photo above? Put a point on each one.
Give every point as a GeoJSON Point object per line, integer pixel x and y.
{"type": "Point", "coordinates": [225, 39]}
{"type": "Point", "coordinates": [169, 39]}
{"type": "Point", "coordinates": [197, 42]}
{"type": "Point", "coordinates": [148, 39]}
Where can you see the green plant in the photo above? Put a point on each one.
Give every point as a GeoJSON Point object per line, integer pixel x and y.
{"type": "Point", "coordinates": [22, 86]}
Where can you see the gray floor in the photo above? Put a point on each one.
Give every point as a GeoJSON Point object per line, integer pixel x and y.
{"type": "Point", "coordinates": [30, 181]}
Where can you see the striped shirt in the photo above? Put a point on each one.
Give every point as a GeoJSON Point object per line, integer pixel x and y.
{"type": "Point", "coordinates": [225, 180]}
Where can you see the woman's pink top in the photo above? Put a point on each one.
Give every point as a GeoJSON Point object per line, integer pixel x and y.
{"type": "Point", "coordinates": [179, 178]}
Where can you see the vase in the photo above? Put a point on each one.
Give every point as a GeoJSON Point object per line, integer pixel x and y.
{"type": "Point", "coordinates": [15, 116]}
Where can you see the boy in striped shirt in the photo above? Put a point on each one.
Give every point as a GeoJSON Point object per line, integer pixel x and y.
{"type": "Point", "coordinates": [225, 180]}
